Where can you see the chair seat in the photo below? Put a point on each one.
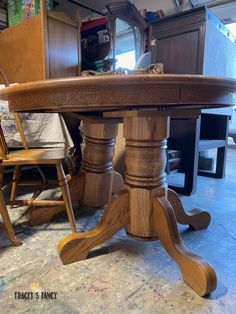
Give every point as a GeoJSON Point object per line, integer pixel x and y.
{"type": "Point", "coordinates": [26, 156]}
{"type": "Point", "coordinates": [35, 156]}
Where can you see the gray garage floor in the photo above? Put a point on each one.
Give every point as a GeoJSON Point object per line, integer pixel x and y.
{"type": "Point", "coordinates": [123, 275]}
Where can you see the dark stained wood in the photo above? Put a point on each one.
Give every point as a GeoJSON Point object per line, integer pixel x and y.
{"type": "Point", "coordinates": [62, 46]}
{"type": "Point", "coordinates": [184, 136]}
{"type": "Point", "coordinates": [127, 12]}
{"type": "Point", "coordinates": [199, 40]}
{"type": "Point", "coordinates": [215, 136]}
{"type": "Point", "coordinates": [185, 48]}
{"type": "Point", "coordinates": [196, 42]}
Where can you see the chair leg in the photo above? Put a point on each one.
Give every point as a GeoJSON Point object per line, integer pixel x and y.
{"type": "Point", "coordinates": [66, 195]}
{"type": "Point", "coordinates": [16, 179]}
{"type": "Point", "coordinates": [7, 221]}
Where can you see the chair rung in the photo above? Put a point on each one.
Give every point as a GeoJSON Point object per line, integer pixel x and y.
{"type": "Point", "coordinates": [3, 188]}
{"type": "Point", "coordinates": [35, 203]}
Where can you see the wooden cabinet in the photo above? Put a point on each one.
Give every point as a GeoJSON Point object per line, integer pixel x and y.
{"type": "Point", "coordinates": [44, 46]}
{"type": "Point", "coordinates": [196, 42]}
{"type": "Point", "coordinates": [63, 37]}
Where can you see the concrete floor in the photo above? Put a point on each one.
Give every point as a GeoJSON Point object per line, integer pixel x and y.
{"type": "Point", "coordinates": [124, 275]}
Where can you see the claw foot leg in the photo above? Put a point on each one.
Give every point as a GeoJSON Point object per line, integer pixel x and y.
{"type": "Point", "coordinates": [195, 218]}
{"type": "Point", "coordinates": [197, 273]}
{"type": "Point", "coordinates": [76, 246]}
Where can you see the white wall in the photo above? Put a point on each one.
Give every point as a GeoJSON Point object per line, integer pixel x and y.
{"type": "Point", "coordinates": [150, 5]}
{"type": "Point", "coordinates": [224, 11]}
{"type": "Point", "coordinates": [67, 7]}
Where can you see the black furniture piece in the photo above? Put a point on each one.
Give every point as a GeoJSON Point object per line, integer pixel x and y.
{"type": "Point", "coordinates": [3, 14]}
{"type": "Point", "coordinates": [196, 42]}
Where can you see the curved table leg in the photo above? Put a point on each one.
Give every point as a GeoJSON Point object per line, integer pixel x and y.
{"type": "Point", "coordinates": [40, 215]}
{"type": "Point", "coordinates": [196, 218]}
{"type": "Point", "coordinates": [197, 273]}
{"type": "Point", "coordinates": [143, 209]}
{"type": "Point", "coordinates": [76, 246]}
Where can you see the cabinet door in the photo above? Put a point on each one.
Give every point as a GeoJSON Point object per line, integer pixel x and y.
{"type": "Point", "coordinates": [179, 53]}
{"type": "Point", "coordinates": [63, 47]}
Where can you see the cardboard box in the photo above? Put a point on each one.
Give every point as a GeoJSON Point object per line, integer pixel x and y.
{"type": "Point", "coordinates": [20, 10]}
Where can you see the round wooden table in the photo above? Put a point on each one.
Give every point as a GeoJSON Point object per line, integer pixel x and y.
{"type": "Point", "coordinates": [144, 206]}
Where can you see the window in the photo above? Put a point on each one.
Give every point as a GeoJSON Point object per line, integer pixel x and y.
{"type": "Point", "coordinates": [127, 37]}
{"type": "Point", "coordinates": [126, 60]}
{"type": "Point", "coordinates": [232, 28]}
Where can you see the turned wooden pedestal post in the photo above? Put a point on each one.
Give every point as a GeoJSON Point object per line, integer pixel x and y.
{"type": "Point", "coordinates": [151, 214]}
{"type": "Point", "coordinates": [145, 178]}
{"type": "Point", "coordinates": [98, 162]}
{"type": "Point", "coordinates": [94, 185]}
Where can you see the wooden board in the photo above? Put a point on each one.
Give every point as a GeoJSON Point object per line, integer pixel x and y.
{"type": "Point", "coordinates": [63, 46]}
{"type": "Point", "coordinates": [22, 51]}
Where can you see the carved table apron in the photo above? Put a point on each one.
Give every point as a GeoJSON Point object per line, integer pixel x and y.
{"type": "Point", "coordinates": [144, 206]}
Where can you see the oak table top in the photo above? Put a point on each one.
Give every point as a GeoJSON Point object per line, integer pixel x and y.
{"type": "Point", "coordinates": [144, 205]}
{"type": "Point", "coordinates": [115, 92]}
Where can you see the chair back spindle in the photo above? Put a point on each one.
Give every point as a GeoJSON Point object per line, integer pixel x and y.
{"type": "Point", "coordinates": [5, 80]}
{"type": "Point", "coordinates": [3, 144]}
{"type": "Point", "coordinates": [21, 131]}
{"type": "Point", "coordinates": [16, 115]}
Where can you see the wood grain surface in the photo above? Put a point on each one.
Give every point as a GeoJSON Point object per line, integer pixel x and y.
{"type": "Point", "coordinates": [112, 92]}
{"type": "Point", "coordinates": [142, 207]}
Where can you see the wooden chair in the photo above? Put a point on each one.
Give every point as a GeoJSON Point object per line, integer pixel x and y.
{"type": "Point", "coordinates": [26, 156]}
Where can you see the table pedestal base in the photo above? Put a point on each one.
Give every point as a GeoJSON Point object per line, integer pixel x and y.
{"type": "Point", "coordinates": [197, 273]}
{"type": "Point", "coordinates": [146, 208]}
